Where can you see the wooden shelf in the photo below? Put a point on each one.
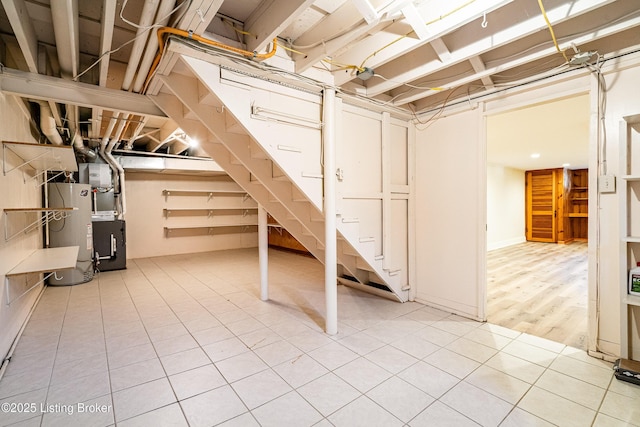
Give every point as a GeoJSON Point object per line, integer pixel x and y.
{"type": "Point", "coordinates": [578, 215]}
{"type": "Point", "coordinates": [210, 229]}
{"type": "Point", "coordinates": [208, 193]}
{"type": "Point", "coordinates": [40, 157]}
{"type": "Point", "coordinates": [47, 260]}
{"type": "Point", "coordinates": [209, 212]}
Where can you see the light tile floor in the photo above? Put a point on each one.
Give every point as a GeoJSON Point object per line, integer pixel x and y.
{"type": "Point", "coordinates": [185, 340]}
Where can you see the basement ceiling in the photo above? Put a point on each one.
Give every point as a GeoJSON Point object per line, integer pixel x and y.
{"type": "Point", "coordinates": [413, 56]}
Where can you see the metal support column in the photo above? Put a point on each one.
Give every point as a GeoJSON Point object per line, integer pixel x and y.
{"type": "Point", "coordinates": [330, 241]}
{"type": "Point", "coordinates": [263, 252]}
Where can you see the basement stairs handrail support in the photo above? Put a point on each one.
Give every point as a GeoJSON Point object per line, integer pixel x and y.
{"type": "Point", "coordinates": [263, 252]}
{"type": "Point", "coordinates": [331, 238]}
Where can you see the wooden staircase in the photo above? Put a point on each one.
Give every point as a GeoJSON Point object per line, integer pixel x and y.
{"type": "Point", "coordinates": [276, 160]}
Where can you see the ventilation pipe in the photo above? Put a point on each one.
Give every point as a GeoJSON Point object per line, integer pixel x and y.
{"type": "Point", "coordinates": [106, 147]}
{"type": "Point", "coordinates": [76, 138]}
{"type": "Point", "coordinates": [48, 124]}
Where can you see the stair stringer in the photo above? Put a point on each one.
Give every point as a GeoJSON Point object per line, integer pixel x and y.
{"type": "Point", "coordinates": [278, 140]}
{"type": "Point", "coordinates": [195, 129]}
{"type": "Point", "coordinates": [214, 114]}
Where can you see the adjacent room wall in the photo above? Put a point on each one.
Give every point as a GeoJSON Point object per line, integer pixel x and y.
{"type": "Point", "coordinates": [451, 214]}
{"type": "Point", "coordinates": [15, 193]}
{"type": "Point", "coordinates": [146, 217]}
{"type": "Point", "coordinates": [505, 207]}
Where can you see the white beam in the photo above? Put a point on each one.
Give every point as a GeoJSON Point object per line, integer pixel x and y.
{"type": "Point", "coordinates": [263, 252]}
{"type": "Point", "coordinates": [269, 19]}
{"type": "Point", "coordinates": [106, 37]}
{"type": "Point", "coordinates": [330, 233]}
{"type": "Point", "coordinates": [398, 72]}
{"type": "Point", "coordinates": [441, 49]}
{"type": "Point", "coordinates": [67, 33]}
{"type": "Point", "coordinates": [480, 68]}
{"type": "Point", "coordinates": [332, 34]}
{"type": "Point", "coordinates": [199, 15]}
{"type": "Point", "coordinates": [23, 29]}
{"type": "Point", "coordinates": [37, 86]}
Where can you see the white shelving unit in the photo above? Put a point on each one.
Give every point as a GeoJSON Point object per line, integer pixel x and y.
{"type": "Point", "coordinates": [629, 196]}
{"type": "Point", "coordinates": [48, 260]}
{"type": "Point", "coordinates": [39, 157]}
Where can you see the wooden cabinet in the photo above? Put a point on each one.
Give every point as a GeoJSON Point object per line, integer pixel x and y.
{"type": "Point", "coordinates": [557, 205]}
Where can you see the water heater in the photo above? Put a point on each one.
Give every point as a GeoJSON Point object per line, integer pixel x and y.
{"type": "Point", "coordinates": [74, 230]}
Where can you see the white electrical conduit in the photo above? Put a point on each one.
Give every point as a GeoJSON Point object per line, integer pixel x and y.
{"type": "Point", "coordinates": [166, 6]}
{"type": "Point", "coordinates": [146, 20]}
{"type": "Point", "coordinates": [48, 124]}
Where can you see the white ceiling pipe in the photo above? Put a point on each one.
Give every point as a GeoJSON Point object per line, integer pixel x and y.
{"type": "Point", "coordinates": [146, 19]}
{"type": "Point", "coordinates": [166, 6]}
{"type": "Point", "coordinates": [107, 133]}
{"type": "Point", "coordinates": [116, 166]}
{"type": "Point", "coordinates": [64, 14]}
{"type": "Point", "coordinates": [48, 124]}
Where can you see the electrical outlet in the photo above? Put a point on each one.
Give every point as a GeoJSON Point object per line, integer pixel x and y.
{"type": "Point", "coordinates": [607, 183]}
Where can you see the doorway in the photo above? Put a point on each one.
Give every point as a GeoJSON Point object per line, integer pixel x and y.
{"type": "Point", "coordinates": [532, 286]}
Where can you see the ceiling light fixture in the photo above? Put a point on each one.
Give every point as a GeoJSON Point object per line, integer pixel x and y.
{"type": "Point", "coordinates": [535, 155]}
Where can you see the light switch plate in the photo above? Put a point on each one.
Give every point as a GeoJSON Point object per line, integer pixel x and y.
{"type": "Point", "coordinates": [607, 183]}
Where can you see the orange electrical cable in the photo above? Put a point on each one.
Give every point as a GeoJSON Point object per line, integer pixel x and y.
{"type": "Point", "coordinates": [188, 34]}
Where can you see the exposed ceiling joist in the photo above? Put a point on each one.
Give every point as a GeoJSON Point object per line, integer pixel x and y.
{"type": "Point", "coordinates": [199, 15]}
{"type": "Point", "coordinates": [397, 40]}
{"type": "Point", "coordinates": [23, 29]}
{"type": "Point", "coordinates": [269, 19]}
{"type": "Point", "coordinates": [398, 72]}
{"type": "Point", "coordinates": [441, 49]}
{"type": "Point", "coordinates": [521, 60]}
{"type": "Point", "coordinates": [480, 68]}
{"type": "Point", "coordinates": [37, 86]}
{"type": "Point", "coordinates": [332, 33]}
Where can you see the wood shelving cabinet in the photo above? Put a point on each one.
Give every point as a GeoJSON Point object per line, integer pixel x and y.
{"type": "Point", "coordinates": [629, 197]}
{"type": "Point", "coordinates": [577, 205]}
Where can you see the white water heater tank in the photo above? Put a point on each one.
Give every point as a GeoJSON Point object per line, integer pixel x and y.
{"type": "Point", "coordinates": [74, 230]}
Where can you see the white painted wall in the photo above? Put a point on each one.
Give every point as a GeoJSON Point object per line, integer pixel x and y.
{"type": "Point", "coordinates": [451, 214]}
{"type": "Point", "coordinates": [505, 206]}
{"type": "Point", "coordinates": [14, 193]}
{"type": "Point", "coordinates": [146, 218]}
{"type": "Point", "coordinates": [450, 218]}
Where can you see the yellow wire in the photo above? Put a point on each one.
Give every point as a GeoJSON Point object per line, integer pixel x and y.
{"type": "Point", "coordinates": [440, 18]}
{"type": "Point", "coordinates": [246, 33]}
{"type": "Point", "coordinates": [553, 35]}
{"type": "Point", "coordinates": [292, 50]}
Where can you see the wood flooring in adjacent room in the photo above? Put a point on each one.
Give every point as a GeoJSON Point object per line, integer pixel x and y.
{"type": "Point", "coordinates": [540, 289]}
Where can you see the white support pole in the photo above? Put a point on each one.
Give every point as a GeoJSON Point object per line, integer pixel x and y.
{"type": "Point", "coordinates": [263, 252]}
{"type": "Point", "coordinates": [330, 237]}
